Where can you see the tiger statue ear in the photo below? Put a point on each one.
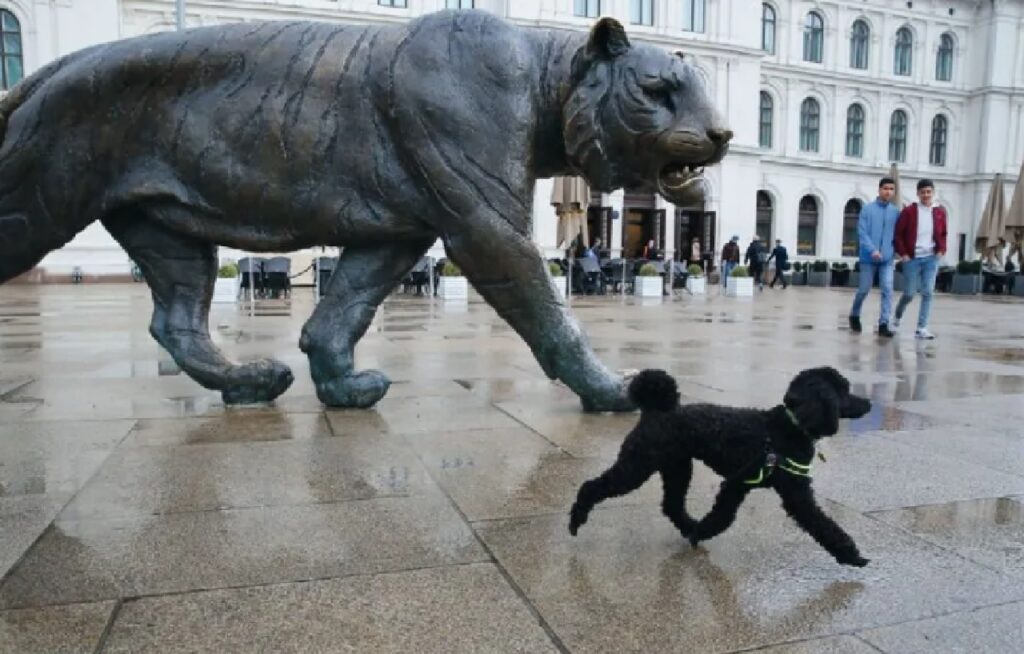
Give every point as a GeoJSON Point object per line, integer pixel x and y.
{"type": "Point", "coordinates": [607, 39]}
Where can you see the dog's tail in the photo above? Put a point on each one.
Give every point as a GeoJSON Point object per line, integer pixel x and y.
{"type": "Point", "coordinates": [654, 390]}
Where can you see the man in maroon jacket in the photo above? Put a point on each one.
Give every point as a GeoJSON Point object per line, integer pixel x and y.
{"type": "Point", "coordinates": [920, 241]}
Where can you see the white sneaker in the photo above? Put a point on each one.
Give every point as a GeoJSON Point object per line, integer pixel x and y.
{"type": "Point", "coordinates": [895, 324]}
{"type": "Point", "coordinates": [924, 334]}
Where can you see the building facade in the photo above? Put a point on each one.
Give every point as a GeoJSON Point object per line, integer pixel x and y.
{"type": "Point", "coordinates": [823, 96]}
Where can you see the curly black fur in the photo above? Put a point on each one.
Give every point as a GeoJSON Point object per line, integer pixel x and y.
{"type": "Point", "coordinates": [735, 443]}
{"type": "Point", "coordinates": [654, 390]}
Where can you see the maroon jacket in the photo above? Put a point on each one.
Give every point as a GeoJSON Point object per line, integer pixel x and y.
{"type": "Point", "coordinates": [905, 237]}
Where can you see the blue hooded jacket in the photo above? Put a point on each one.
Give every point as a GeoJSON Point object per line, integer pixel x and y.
{"type": "Point", "coordinates": [876, 229]}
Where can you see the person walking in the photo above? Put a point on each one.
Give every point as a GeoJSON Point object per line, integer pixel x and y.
{"type": "Point", "coordinates": [730, 258]}
{"type": "Point", "coordinates": [876, 227]}
{"type": "Point", "coordinates": [695, 254]}
{"type": "Point", "coordinates": [920, 242]}
{"type": "Point", "coordinates": [756, 258]}
{"type": "Point", "coordinates": [781, 256]}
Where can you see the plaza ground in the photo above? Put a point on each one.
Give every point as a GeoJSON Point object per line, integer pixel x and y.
{"type": "Point", "coordinates": [138, 514]}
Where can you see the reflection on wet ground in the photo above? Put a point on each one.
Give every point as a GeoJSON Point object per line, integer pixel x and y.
{"type": "Point", "coordinates": [436, 522]}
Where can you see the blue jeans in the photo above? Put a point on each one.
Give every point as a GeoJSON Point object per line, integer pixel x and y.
{"type": "Point", "coordinates": [726, 269]}
{"type": "Point", "coordinates": [919, 275]}
{"type": "Point", "coordinates": [867, 277]}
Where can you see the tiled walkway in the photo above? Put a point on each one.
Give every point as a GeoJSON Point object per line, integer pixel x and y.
{"type": "Point", "coordinates": [138, 514]}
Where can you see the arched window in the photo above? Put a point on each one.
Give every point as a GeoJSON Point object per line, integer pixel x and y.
{"type": "Point", "coordinates": [851, 214]}
{"type": "Point", "coordinates": [768, 28]}
{"type": "Point", "coordinates": [814, 37]}
{"type": "Point", "coordinates": [898, 136]}
{"type": "Point", "coordinates": [855, 131]}
{"type": "Point", "coordinates": [10, 50]}
{"type": "Point", "coordinates": [810, 123]}
{"type": "Point", "coordinates": [767, 118]}
{"type": "Point", "coordinates": [763, 225]}
{"type": "Point", "coordinates": [944, 59]}
{"type": "Point", "coordinates": [904, 51]}
{"type": "Point", "coordinates": [807, 227]}
{"type": "Point", "coordinates": [693, 15]}
{"type": "Point", "coordinates": [937, 152]}
{"type": "Point", "coordinates": [860, 39]}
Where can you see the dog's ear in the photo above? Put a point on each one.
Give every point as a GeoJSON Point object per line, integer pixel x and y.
{"type": "Point", "coordinates": [815, 402]}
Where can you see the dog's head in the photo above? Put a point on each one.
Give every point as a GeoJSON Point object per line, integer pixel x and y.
{"type": "Point", "coordinates": [819, 397]}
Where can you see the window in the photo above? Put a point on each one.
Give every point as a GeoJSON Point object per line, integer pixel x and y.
{"type": "Point", "coordinates": [458, 4]}
{"type": "Point", "coordinates": [587, 8]}
{"type": "Point", "coordinates": [763, 227]}
{"type": "Point", "coordinates": [810, 122]}
{"type": "Point", "coordinates": [937, 152]}
{"type": "Point", "coordinates": [807, 227]}
{"type": "Point", "coordinates": [855, 131]}
{"type": "Point", "coordinates": [944, 59]}
{"type": "Point", "coordinates": [814, 37]}
{"type": "Point", "coordinates": [10, 50]}
{"type": "Point", "coordinates": [851, 214]}
{"type": "Point", "coordinates": [904, 51]}
{"type": "Point", "coordinates": [768, 28]}
{"type": "Point", "coordinates": [397, 4]}
{"type": "Point", "coordinates": [693, 15]}
{"type": "Point", "coordinates": [860, 40]}
{"type": "Point", "coordinates": [765, 132]}
{"type": "Point", "coordinates": [641, 12]}
{"type": "Point", "coordinates": [898, 136]}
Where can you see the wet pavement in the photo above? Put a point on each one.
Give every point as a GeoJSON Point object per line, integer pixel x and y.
{"type": "Point", "coordinates": [137, 513]}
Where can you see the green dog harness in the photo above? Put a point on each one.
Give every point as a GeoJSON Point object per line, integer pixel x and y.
{"type": "Point", "coordinates": [786, 464]}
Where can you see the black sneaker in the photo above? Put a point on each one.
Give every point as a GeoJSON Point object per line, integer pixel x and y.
{"type": "Point", "coordinates": [883, 330]}
{"type": "Point", "coordinates": [855, 324]}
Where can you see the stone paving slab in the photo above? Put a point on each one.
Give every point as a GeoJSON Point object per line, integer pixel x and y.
{"type": "Point", "coordinates": [70, 629]}
{"type": "Point", "coordinates": [991, 630]}
{"type": "Point", "coordinates": [467, 608]}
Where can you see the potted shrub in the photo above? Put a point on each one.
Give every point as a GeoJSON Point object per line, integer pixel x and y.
{"type": "Point", "coordinates": [967, 279]}
{"type": "Point", "coordinates": [818, 275]}
{"type": "Point", "coordinates": [799, 274]}
{"type": "Point", "coordinates": [225, 289]}
{"type": "Point", "coordinates": [696, 283]}
{"type": "Point", "coordinates": [558, 276]}
{"type": "Point", "coordinates": [648, 281]}
{"type": "Point", "coordinates": [840, 273]}
{"type": "Point", "coordinates": [944, 279]}
{"type": "Point", "coordinates": [452, 285]}
{"type": "Point", "coordinates": [739, 283]}
{"type": "Point", "coordinates": [897, 277]}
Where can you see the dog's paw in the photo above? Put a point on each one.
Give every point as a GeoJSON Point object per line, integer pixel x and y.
{"type": "Point", "coordinates": [576, 521]}
{"type": "Point", "coordinates": [694, 540]}
{"type": "Point", "coordinates": [856, 561]}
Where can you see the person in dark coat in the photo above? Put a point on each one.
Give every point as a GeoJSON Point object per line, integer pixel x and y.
{"type": "Point", "coordinates": [730, 258]}
{"type": "Point", "coordinates": [756, 259]}
{"type": "Point", "coordinates": [781, 256]}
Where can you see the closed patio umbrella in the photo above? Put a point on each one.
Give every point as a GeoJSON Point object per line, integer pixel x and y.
{"type": "Point", "coordinates": [1013, 221]}
{"type": "Point", "coordinates": [897, 197]}
{"type": "Point", "coordinates": [992, 226]}
{"type": "Point", "coordinates": [571, 199]}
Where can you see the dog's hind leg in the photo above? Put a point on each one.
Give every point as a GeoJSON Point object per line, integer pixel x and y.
{"type": "Point", "coordinates": [623, 477]}
{"type": "Point", "coordinates": [722, 513]}
{"type": "Point", "coordinates": [798, 501]}
{"type": "Point", "coordinates": [676, 481]}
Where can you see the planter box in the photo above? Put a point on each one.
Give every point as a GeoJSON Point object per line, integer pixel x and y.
{"type": "Point", "coordinates": [225, 290]}
{"type": "Point", "coordinates": [966, 284]}
{"type": "Point", "coordinates": [840, 278]}
{"type": "Point", "coordinates": [453, 288]}
{"type": "Point", "coordinates": [697, 285]}
{"type": "Point", "coordinates": [649, 287]}
{"type": "Point", "coordinates": [818, 278]}
{"type": "Point", "coordinates": [560, 284]}
{"type": "Point", "coordinates": [739, 286]}
{"type": "Point", "coordinates": [799, 279]}
{"type": "Point", "coordinates": [853, 281]}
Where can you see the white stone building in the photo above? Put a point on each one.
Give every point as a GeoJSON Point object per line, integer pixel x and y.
{"type": "Point", "coordinates": [823, 96]}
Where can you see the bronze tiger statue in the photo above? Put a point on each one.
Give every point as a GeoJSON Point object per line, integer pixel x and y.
{"type": "Point", "coordinates": [278, 136]}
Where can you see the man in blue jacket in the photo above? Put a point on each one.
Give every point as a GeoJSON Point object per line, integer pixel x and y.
{"type": "Point", "coordinates": [876, 228]}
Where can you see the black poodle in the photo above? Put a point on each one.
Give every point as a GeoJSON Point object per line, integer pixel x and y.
{"type": "Point", "coordinates": [750, 448]}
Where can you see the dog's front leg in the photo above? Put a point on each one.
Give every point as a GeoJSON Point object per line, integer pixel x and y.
{"type": "Point", "coordinates": [722, 513]}
{"type": "Point", "coordinates": [798, 501]}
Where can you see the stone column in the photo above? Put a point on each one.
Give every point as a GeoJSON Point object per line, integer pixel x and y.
{"type": "Point", "coordinates": [616, 201]}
